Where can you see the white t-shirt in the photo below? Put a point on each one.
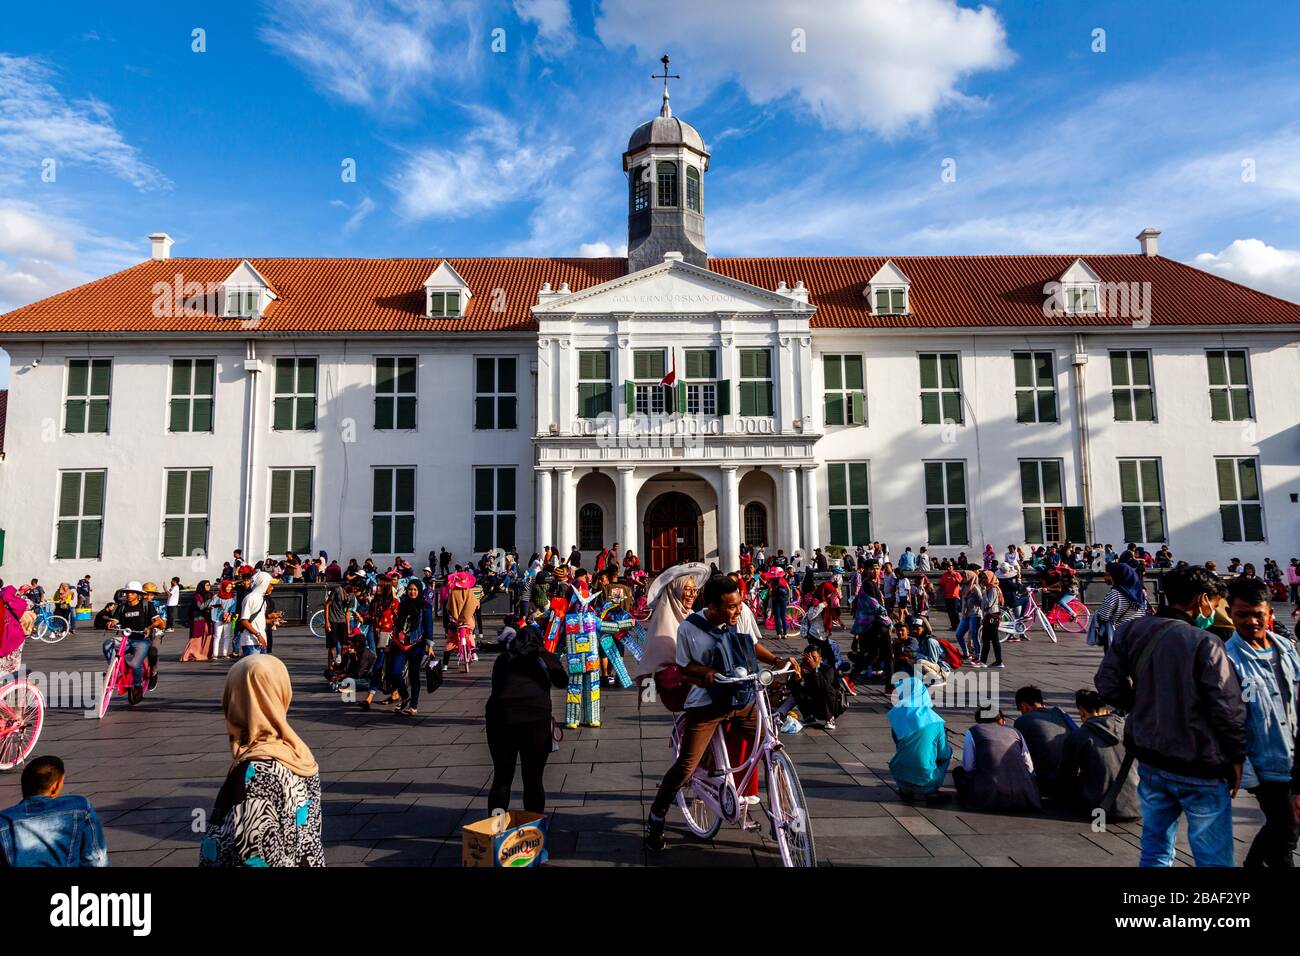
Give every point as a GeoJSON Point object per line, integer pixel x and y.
{"type": "Point", "coordinates": [252, 610]}
{"type": "Point", "coordinates": [174, 596]}
{"type": "Point", "coordinates": [696, 646]}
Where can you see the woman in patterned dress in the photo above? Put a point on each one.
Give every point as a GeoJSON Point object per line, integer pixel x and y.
{"type": "Point", "coordinates": [268, 812]}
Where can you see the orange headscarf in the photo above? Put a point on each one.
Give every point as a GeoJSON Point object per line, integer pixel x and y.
{"type": "Point", "coordinates": [256, 704]}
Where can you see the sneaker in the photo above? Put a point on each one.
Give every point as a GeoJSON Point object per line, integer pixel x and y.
{"type": "Point", "coordinates": [830, 725]}
{"type": "Point", "coordinates": [997, 667]}
{"type": "Point", "coordinates": [654, 834]}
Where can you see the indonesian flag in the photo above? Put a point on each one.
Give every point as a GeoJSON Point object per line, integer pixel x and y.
{"type": "Point", "coordinates": [671, 378]}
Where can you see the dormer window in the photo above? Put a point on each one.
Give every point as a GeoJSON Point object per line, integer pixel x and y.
{"type": "Point", "coordinates": [667, 175]}
{"type": "Point", "coordinates": [887, 291]}
{"type": "Point", "coordinates": [245, 293]}
{"type": "Point", "coordinates": [1079, 289]}
{"type": "Point", "coordinates": [444, 304]}
{"type": "Point", "coordinates": [446, 293]}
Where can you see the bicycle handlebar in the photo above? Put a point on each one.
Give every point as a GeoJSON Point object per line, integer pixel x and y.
{"type": "Point", "coordinates": [762, 677]}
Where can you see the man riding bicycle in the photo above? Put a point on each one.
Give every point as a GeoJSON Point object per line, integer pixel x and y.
{"type": "Point", "coordinates": [709, 646]}
{"type": "Point", "coordinates": [138, 616]}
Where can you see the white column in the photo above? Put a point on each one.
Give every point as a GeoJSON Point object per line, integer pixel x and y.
{"type": "Point", "coordinates": [729, 521]}
{"type": "Point", "coordinates": [626, 506]}
{"type": "Point", "coordinates": [567, 533]}
{"type": "Point", "coordinates": [789, 511]}
{"type": "Point", "coordinates": [545, 510]}
{"type": "Point", "coordinates": [811, 517]}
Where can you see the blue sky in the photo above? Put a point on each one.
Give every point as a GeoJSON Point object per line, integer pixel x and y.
{"type": "Point", "coordinates": [1189, 121]}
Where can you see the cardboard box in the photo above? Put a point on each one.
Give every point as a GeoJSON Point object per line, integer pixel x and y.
{"type": "Point", "coordinates": [514, 839]}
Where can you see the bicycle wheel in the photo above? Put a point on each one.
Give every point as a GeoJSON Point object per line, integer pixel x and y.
{"type": "Point", "coordinates": [464, 653]}
{"type": "Point", "coordinates": [56, 629]}
{"type": "Point", "coordinates": [42, 627]}
{"type": "Point", "coordinates": [22, 714]}
{"type": "Point", "coordinates": [794, 837]}
{"type": "Point", "coordinates": [793, 614]}
{"type": "Point", "coordinates": [700, 818]}
{"type": "Point", "coordinates": [110, 685]}
{"type": "Point", "coordinates": [317, 624]}
{"type": "Point", "coordinates": [1079, 622]}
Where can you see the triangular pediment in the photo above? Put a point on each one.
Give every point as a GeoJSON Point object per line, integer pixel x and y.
{"type": "Point", "coordinates": [889, 274]}
{"type": "Point", "coordinates": [247, 277]}
{"type": "Point", "coordinates": [445, 277]}
{"type": "Point", "coordinates": [673, 287]}
{"type": "Point", "coordinates": [1079, 273]}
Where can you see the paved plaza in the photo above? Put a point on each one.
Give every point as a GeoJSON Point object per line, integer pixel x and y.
{"type": "Point", "coordinates": [397, 790]}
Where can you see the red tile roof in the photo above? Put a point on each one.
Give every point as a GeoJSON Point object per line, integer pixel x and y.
{"type": "Point", "coordinates": [387, 295]}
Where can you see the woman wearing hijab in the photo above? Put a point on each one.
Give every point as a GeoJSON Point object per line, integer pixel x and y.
{"type": "Point", "coordinates": [411, 647]}
{"type": "Point", "coordinates": [972, 616]}
{"type": "Point", "coordinates": [65, 605]}
{"type": "Point", "coordinates": [461, 612]}
{"type": "Point", "coordinates": [920, 761]}
{"type": "Point", "coordinates": [12, 630]}
{"type": "Point", "coordinates": [519, 718]}
{"type": "Point", "coordinates": [671, 599]}
{"type": "Point", "coordinates": [222, 611]}
{"type": "Point", "coordinates": [991, 618]}
{"type": "Point", "coordinates": [382, 617]}
{"type": "Point", "coordinates": [268, 812]}
{"type": "Point", "coordinates": [1125, 600]}
{"type": "Point", "coordinates": [199, 646]}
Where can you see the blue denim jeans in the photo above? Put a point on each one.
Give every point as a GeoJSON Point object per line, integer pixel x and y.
{"type": "Point", "coordinates": [969, 625]}
{"type": "Point", "coordinates": [1167, 796]}
{"type": "Point", "coordinates": [252, 649]}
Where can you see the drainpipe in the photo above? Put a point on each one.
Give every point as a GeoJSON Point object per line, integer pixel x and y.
{"type": "Point", "coordinates": [252, 366]}
{"type": "Point", "coordinates": [1080, 362]}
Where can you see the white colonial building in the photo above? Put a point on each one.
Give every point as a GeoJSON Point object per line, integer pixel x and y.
{"type": "Point", "coordinates": [667, 401]}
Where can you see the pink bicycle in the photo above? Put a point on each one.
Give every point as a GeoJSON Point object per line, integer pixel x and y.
{"type": "Point", "coordinates": [119, 679]}
{"type": "Point", "coordinates": [712, 794]}
{"type": "Point", "coordinates": [22, 715]}
{"type": "Point", "coordinates": [1070, 615]}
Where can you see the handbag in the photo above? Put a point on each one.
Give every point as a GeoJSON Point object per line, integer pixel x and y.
{"type": "Point", "coordinates": [433, 675]}
{"type": "Point", "coordinates": [557, 734]}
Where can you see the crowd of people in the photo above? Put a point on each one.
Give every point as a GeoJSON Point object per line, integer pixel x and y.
{"type": "Point", "coordinates": [1194, 698]}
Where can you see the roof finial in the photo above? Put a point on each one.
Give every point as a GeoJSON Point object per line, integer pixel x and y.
{"type": "Point", "coordinates": [665, 111]}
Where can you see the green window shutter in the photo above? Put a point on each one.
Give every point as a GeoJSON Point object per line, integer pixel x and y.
{"type": "Point", "coordinates": [1227, 478]}
{"type": "Point", "coordinates": [680, 400]}
{"type": "Point", "coordinates": [404, 491]}
{"type": "Point", "coordinates": [695, 364]}
{"type": "Point", "coordinates": [1128, 482]}
{"type": "Point", "coordinates": [936, 526]}
{"type": "Point", "coordinates": [1033, 525]}
{"type": "Point", "coordinates": [1123, 402]}
{"type": "Point", "coordinates": [407, 367]}
{"type": "Point", "coordinates": [1237, 374]}
{"type": "Point", "coordinates": [282, 414]}
{"type": "Point", "coordinates": [950, 371]}
{"type": "Point", "coordinates": [65, 545]}
{"type": "Point", "coordinates": [74, 416]}
{"type": "Point", "coordinates": [179, 419]}
{"type": "Point", "coordinates": [1240, 403]}
{"type": "Point", "coordinates": [406, 412]}
{"type": "Point", "coordinates": [202, 415]}
{"type": "Point", "coordinates": [483, 532]}
{"type": "Point", "coordinates": [385, 375]}
{"type": "Point", "coordinates": [281, 483]}
{"type": "Point", "coordinates": [278, 536]}
{"type": "Point", "coordinates": [485, 375]}
{"type": "Point", "coordinates": [307, 376]}
{"type": "Point", "coordinates": [485, 413]}
{"type": "Point", "coordinates": [302, 491]}
{"type": "Point", "coordinates": [958, 530]}
{"type": "Point", "coordinates": [1141, 365]}
{"type": "Point", "coordinates": [629, 397]}
{"type": "Point", "coordinates": [382, 499]}
{"type": "Point", "coordinates": [832, 370]}
{"type": "Point", "coordinates": [484, 489]}
{"type": "Point", "coordinates": [1075, 528]}
{"type": "Point", "coordinates": [1030, 491]}
{"type": "Point", "coordinates": [100, 373]}
{"type": "Point", "coordinates": [857, 408]}
{"type": "Point", "coordinates": [381, 530]}
{"type": "Point", "coordinates": [1132, 515]}
{"type": "Point", "coordinates": [952, 411]}
{"type": "Point", "coordinates": [91, 539]}
{"type": "Point", "coordinates": [1252, 517]}
{"type": "Point", "coordinates": [934, 483]}
{"type": "Point", "coordinates": [858, 483]}
{"type": "Point", "coordinates": [839, 526]}
{"type": "Point", "coordinates": [1119, 369]}
{"type": "Point", "coordinates": [929, 371]}
{"type": "Point", "coordinates": [587, 363]}
{"type": "Point", "coordinates": [1052, 482]}
{"type": "Point", "coordinates": [404, 534]}
{"type": "Point", "coordinates": [78, 378]}
{"type": "Point", "coordinates": [505, 490]}
{"type": "Point", "coordinates": [956, 484]}
{"type": "Point", "coordinates": [747, 401]}
{"type": "Point", "coordinates": [1144, 409]}
{"type": "Point", "coordinates": [930, 408]}
{"type": "Point", "coordinates": [1149, 471]}
{"type": "Point", "coordinates": [305, 414]}
{"type": "Point", "coordinates": [506, 379]}
{"type": "Point", "coordinates": [175, 496]}
{"type": "Point", "coordinates": [97, 416]}
{"type": "Point", "coordinates": [92, 501]}
{"type": "Point", "coordinates": [1047, 406]}
{"type": "Point", "coordinates": [70, 495]}
{"type": "Point", "coordinates": [1218, 367]}
{"type": "Point", "coordinates": [1230, 522]}
{"type": "Point", "coordinates": [284, 375]}
{"type": "Point", "coordinates": [205, 377]}
{"type": "Point", "coordinates": [724, 397]}
{"type": "Point", "coordinates": [384, 411]}
{"type": "Point", "coordinates": [853, 375]}
{"type": "Point", "coordinates": [861, 518]}
{"type": "Point", "coordinates": [196, 535]}
{"type": "Point", "coordinates": [300, 539]}
{"type": "Point", "coordinates": [182, 370]}
{"type": "Point", "coordinates": [1026, 407]}
{"type": "Point", "coordinates": [1248, 479]}
{"type": "Point", "coordinates": [173, 537]}
{"type": "Point", "coordinates": [837, 486]}
{"type": "Point", "coordinates": [200, 492]}
{"type": "Point", "coordinates": [1155, 523]}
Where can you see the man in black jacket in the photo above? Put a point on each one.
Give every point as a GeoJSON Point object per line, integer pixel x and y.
{"type": "Point", "coordinates": [1186, 719]}
{"type": "Point", "coordinates": [1092, 760]}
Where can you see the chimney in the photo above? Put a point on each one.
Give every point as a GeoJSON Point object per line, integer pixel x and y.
{"type": "Point", "coordinates": [1147, 238]}
{"type": "Point", "coordinates": [160, 245]}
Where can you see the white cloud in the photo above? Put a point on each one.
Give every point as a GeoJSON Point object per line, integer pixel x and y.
{"type": "Point", "coordinates": [373, 52]}
{"type": "Point", "coordinates": [882, 65]}
{"type": "Point", "coordinates": [42, 253]}
{"type": "Point", "coordinates": [37, 123]}
{"type": "Point", "coordinates": [24, 234]}
{"type": "Point", "coordinates": [496, 163]}
{"type": "Point", "coordinates": [601, 250]}
{"type": "Point", "coordinates": [555, 30]}
{"type": "Point", "coordinates": [1257, 264]}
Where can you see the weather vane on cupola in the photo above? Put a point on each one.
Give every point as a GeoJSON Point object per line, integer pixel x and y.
{"type": "Point", "coordinates": [665, 110]}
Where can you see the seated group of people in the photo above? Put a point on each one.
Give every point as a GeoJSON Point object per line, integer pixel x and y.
{"type": "Point", "coordinates": [1043, 755]}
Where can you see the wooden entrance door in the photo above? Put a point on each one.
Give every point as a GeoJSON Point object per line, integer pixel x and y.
{"type": "Point", "coordinates": [672, 531]}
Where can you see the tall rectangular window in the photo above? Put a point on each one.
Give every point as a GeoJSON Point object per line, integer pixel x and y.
{"type": "Point", "coordinates": [89, 384]}
{"type": "Point", "coordinates": [496, 399]}
{"type": "Point", "coordinates": [756, 382]}
{"type": "Point", "coordinates": [1130, 387]}
{"type": "Point", "coordinates": [79, 531]}
{"type": "Point", "coordinates": [444, 304]}
{"type": "Point", "coordinates": [186, 501]}
{"type": "Point", "coordinates": [1240, 508]}
{"type": "Point", "coordinates": [193, 387]}
{"type": "Point", "coordinates": [392, 521]}
{"type": "Point", "coordinates": [849, 502]}
{"type": "Point", "coordinates": [294, 401]}
{"type": "Point", "coordinates": [648, 369]}
{"type": "Point", "coordinates": [595, 384]}
{"type": "Point", "coordinates": [1041, 501]}
{"type": "Point", "coordinates": [494, 508]}
{"type": "Point", "coordinates": [292, 500]}
{"type": "Point", "coordinates": [1141, 501]}
{"type": "Point", "coordinates": [396, 395]}
{"type": "Point", "coordinates": [940, 388]}
{"type": "Point", "coordinates": [945, 502]}
{"type": "Point", "coordinates": [701, 382]}
{"type": "Point", "coordinates": [1035, 387]}
{"type": "Point", "coordinates": [1229, 385]}
{"type": "Point", "coordinates": [846, 402]}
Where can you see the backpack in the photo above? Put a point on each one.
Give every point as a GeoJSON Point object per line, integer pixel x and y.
{"type": "Point", "coordinates": [951, 653]}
